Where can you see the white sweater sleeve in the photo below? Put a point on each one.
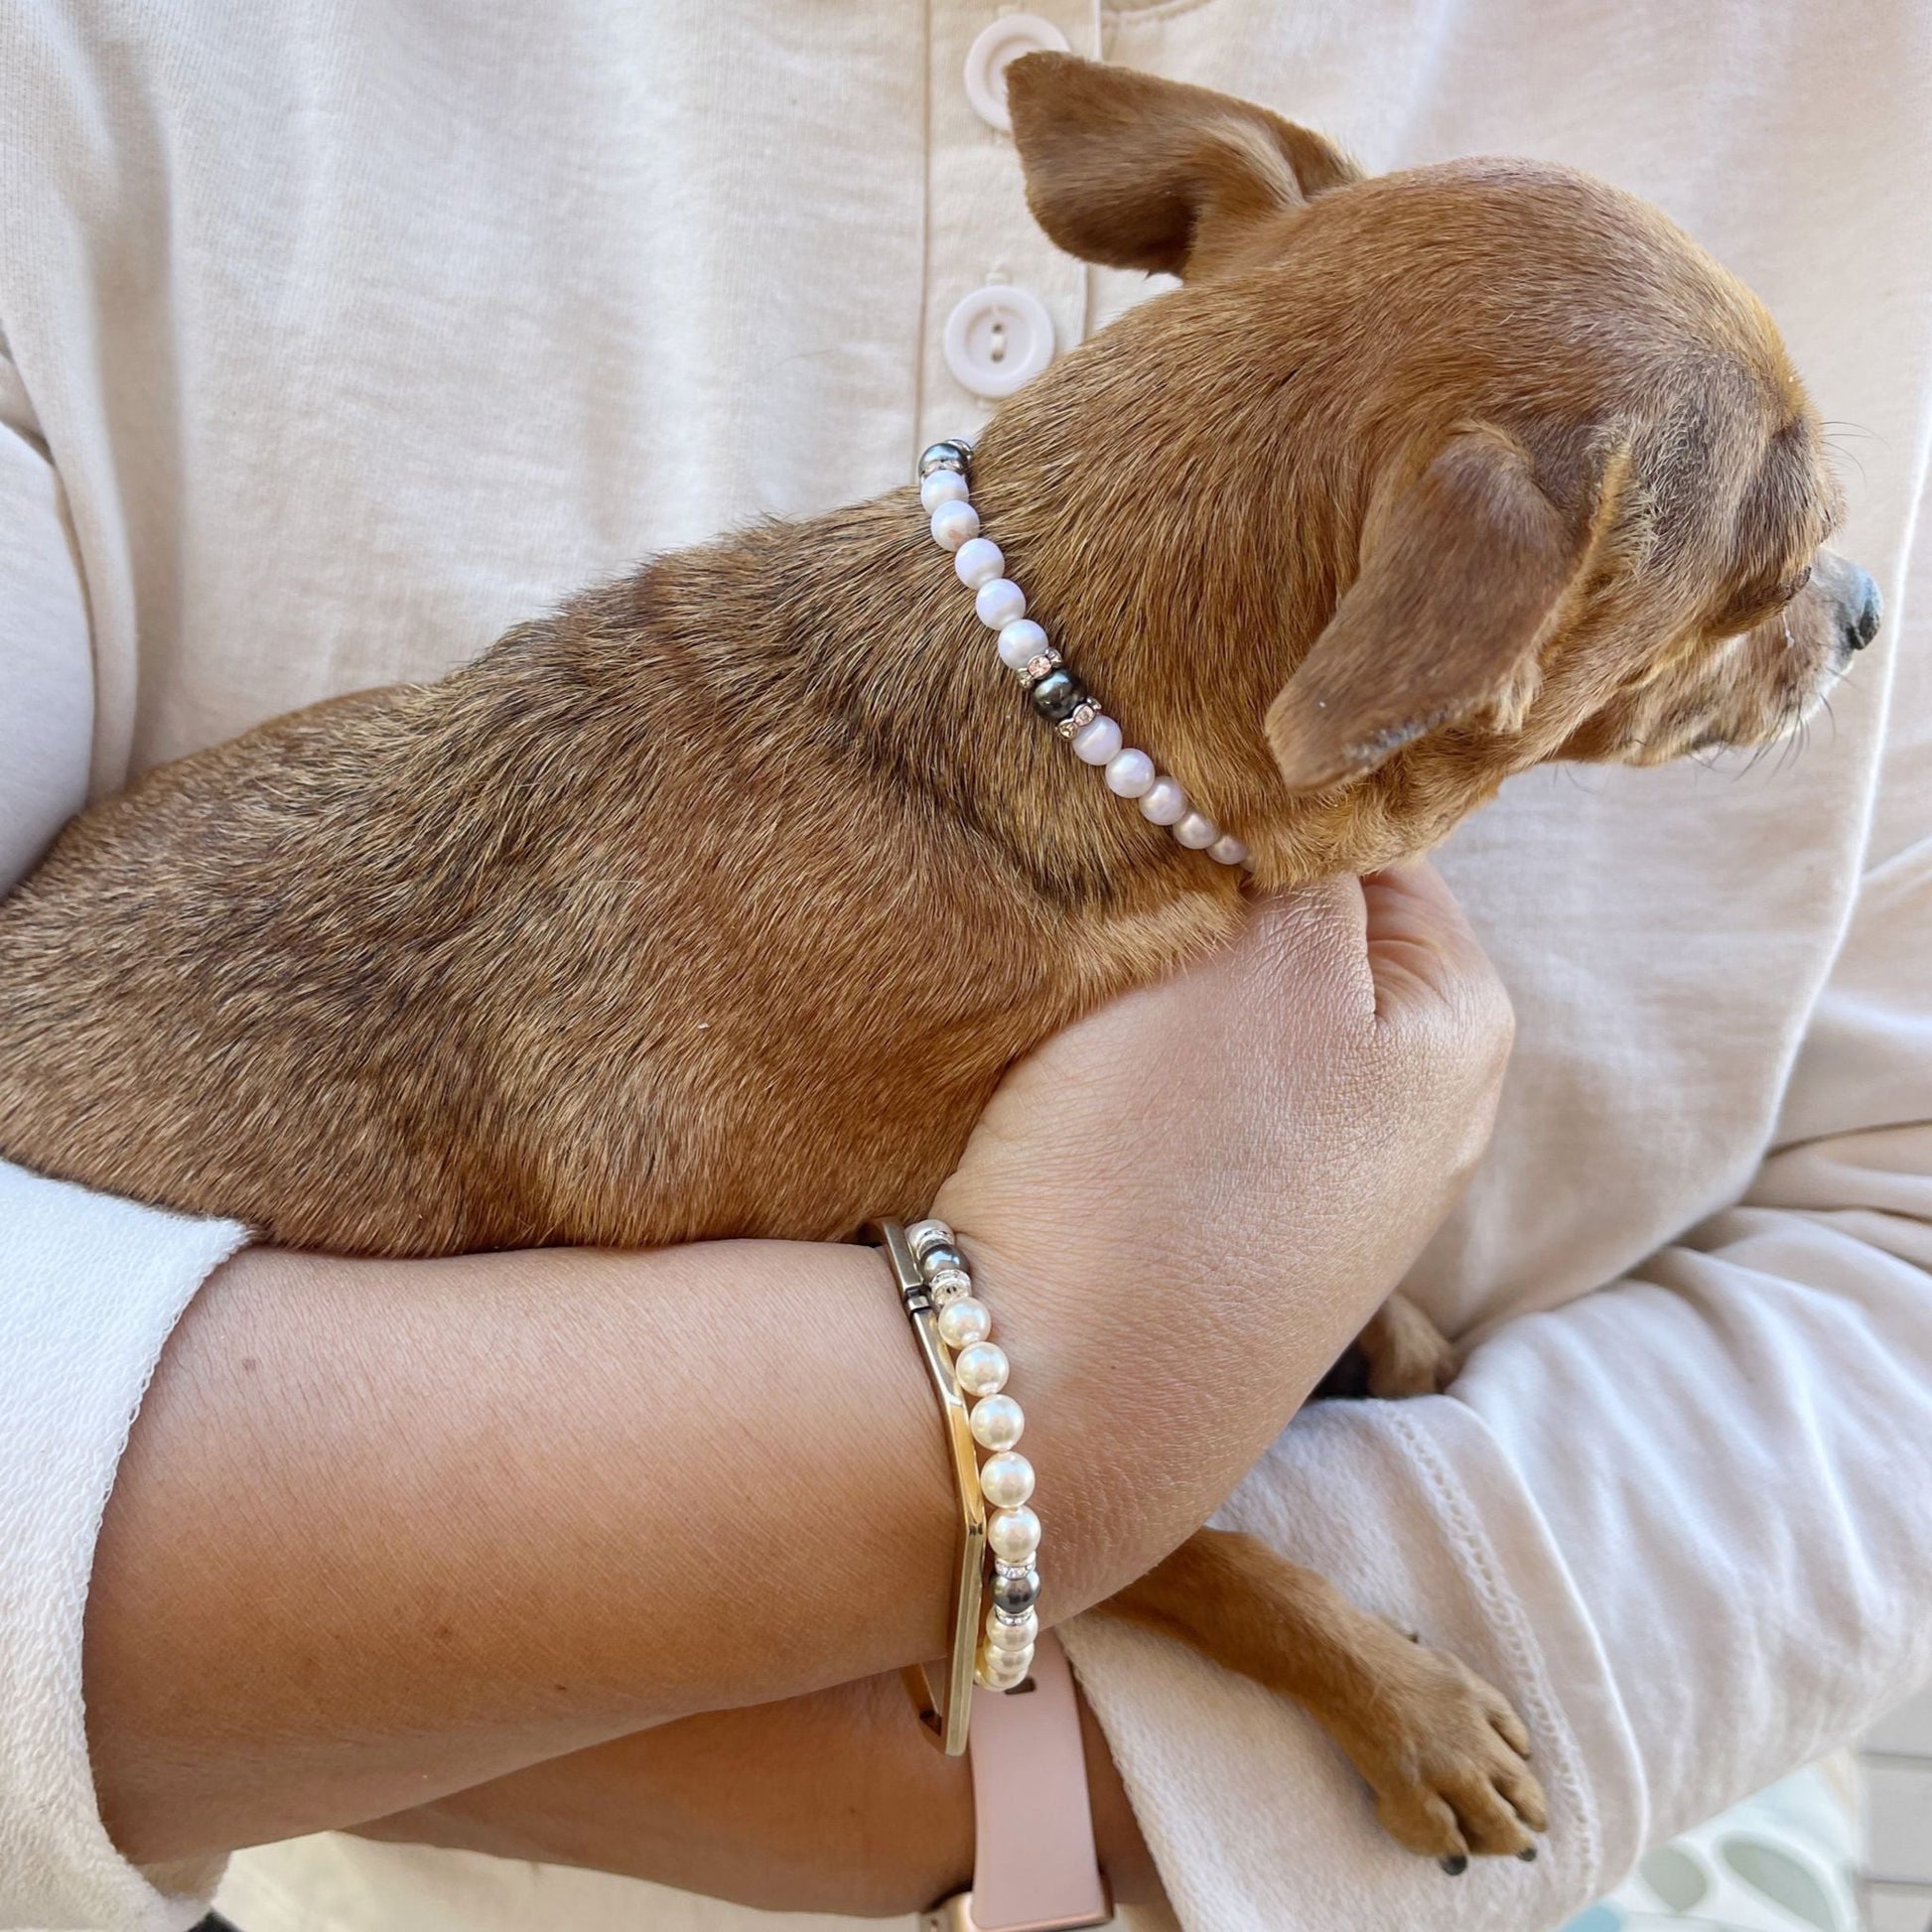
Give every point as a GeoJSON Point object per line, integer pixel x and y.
{"type": "Point", "coordinates": [1686, 1521]}
{"type": "Point", "coordinates": [89, 1288]}
{"type": "Point", "coordinates": [47, 690]}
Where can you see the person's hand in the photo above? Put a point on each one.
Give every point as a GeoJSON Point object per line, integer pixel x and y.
{"type": "Point", "coordinates": [1183, 1207]}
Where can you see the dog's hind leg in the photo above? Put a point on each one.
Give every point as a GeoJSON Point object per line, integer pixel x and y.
{"type": "Point", "coordinates": [1407, 1353]}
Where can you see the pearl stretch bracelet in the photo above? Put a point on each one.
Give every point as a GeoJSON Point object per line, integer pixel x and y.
{"type": "Point", "coordinates": [997, 1524]}
{"type": "Point", "coordinates": [1006, 1478]}
{"type": "Point", "coordinates": [1057, 695]}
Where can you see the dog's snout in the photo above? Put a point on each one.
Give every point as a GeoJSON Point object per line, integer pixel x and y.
{"type": "Point", "coordinates": [1866, 610]}
{"type": "Point", "coordinates": [1852, 600]}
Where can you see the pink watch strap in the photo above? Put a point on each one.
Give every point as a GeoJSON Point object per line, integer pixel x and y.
{"type": "Point", "coordinates": [1034, 1862]}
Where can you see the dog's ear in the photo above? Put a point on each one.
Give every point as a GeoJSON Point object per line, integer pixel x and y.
{"type": "Point", "coordinates": [1136, 172]}
{"type": "Point", "coordinates": [1464, 571]}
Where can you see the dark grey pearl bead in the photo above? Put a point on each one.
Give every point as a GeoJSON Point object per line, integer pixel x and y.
{"type": "Point", "coordinates": [943, 1256]}
{"type": "Point", "coordinates": [1016, 1596]}
{"type": "Point", "coordinates": [944, 456]}
{"type": "Point", "coordinates": [926, 1234]}
{"type": "Point", "coordinates": [1059, 695]}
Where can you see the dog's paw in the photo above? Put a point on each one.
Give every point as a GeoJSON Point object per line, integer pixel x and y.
{"type": "Point", "coordinates": [1446, 1755]}
{"type": "Point", "coordinates": [1407, 1353]}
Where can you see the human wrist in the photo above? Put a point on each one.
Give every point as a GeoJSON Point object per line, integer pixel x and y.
{"type": "Point", "coordinates": [1130, 1450]}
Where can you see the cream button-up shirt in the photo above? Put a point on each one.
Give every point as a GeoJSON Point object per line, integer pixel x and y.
{"type": "Point", "coordinates": [341, 334]}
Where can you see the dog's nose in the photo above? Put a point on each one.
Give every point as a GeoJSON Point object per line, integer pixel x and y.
{"type": "Point", "coordinates": [1852, 597]}
{"type": "Point", "coordinates": [1867, 610]}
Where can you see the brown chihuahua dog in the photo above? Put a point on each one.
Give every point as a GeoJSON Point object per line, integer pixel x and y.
{"type": "Point", "coordinates": [1415, 483]}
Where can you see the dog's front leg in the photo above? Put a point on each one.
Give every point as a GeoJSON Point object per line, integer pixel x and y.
{"type": "Point", "coordinates": [1443, 1750]}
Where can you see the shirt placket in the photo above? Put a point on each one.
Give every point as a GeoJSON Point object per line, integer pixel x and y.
{"type": "Point", "coordinates": [1000, 301]}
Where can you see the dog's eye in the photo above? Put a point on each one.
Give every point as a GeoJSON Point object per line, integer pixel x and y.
{"type": "Point", "coordinates": [1762, 601]}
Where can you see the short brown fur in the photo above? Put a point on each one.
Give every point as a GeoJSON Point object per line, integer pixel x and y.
{"type": "Point", "coordinates": [1416, 482]}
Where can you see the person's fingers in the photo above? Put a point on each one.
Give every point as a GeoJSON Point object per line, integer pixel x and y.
{"type": "Point", "coordinates": [1439, 1002]}
{"type": "Point", "coordinates": [1424, 953]}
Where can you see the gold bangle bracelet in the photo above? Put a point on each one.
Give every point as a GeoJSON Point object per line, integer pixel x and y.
{"type": "Point", "coordinates": [946, 1708]}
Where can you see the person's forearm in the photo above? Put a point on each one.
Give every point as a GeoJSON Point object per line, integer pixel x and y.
{"type": "Point", "coordinates": [835, 1802]}
{"type": "Point", "coordinates": [386, 1530]}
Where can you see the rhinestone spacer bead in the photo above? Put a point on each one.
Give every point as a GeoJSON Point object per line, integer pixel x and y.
{"type": "Point", "coordinates": [923, 1237]}
{"type": "Point", "coordinates": [1084, 715]}
{"type": "Point", "coordinates": [1012, 1632]}
{"type": "Point", "coordinates": [1038, 667]}
{"type": "Point", "coordinates": [950, 1284]}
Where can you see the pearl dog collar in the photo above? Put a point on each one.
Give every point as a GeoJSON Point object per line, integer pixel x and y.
{"type": "Point", "coordinates": [1057, 695]}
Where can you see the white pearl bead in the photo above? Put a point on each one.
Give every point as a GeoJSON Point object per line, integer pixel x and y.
{"type": "Point", "coordinates": [1129, 774]}
{"type": "Point", "coordinates": [1096, 742]}
{"type": "Point", "coordinates": [1021, 641]}
{"type": "Point", "coordinates": [1003, 1670]}
{"type": "Point", "coordinates": [1000, 603]}
{"type": "Point", "coordinates": [1227, 850]}
{"type": "Point", "coordinates": [1013, 1534]}
{"type": "Point", "coordinates": [979, 559]}
{"type": "Point", "coordinates": [1196, 832]}
{"type": "Point", "coordinates": [982, 1367]}
{"type": "Point", "coordinates": [943, 486]}
{"type": "Point", "coordinates": [1020, 1635]}
{"type": "Point", "coordinates": [965, 1321]}
{"type": "Point", "coordinates": [1006, 1480]}
{"type": "Point", "coordinates": [997, 1422]}
{"type": "Point", "coordinates": [1164, 802]}
{"type": "Point", "coordinates": [953, 524]}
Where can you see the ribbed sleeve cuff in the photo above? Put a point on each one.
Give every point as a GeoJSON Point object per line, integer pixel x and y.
{"type": "Point", "coordinates": [1257, 1822]}
{"type": "Point", "coordinates": [90, 1288]}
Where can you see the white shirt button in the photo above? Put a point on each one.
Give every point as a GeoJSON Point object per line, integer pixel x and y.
{"type": "Point", "coordinates": [989, 56]}
{"type": "Point", "coordinates": [997, 337]}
